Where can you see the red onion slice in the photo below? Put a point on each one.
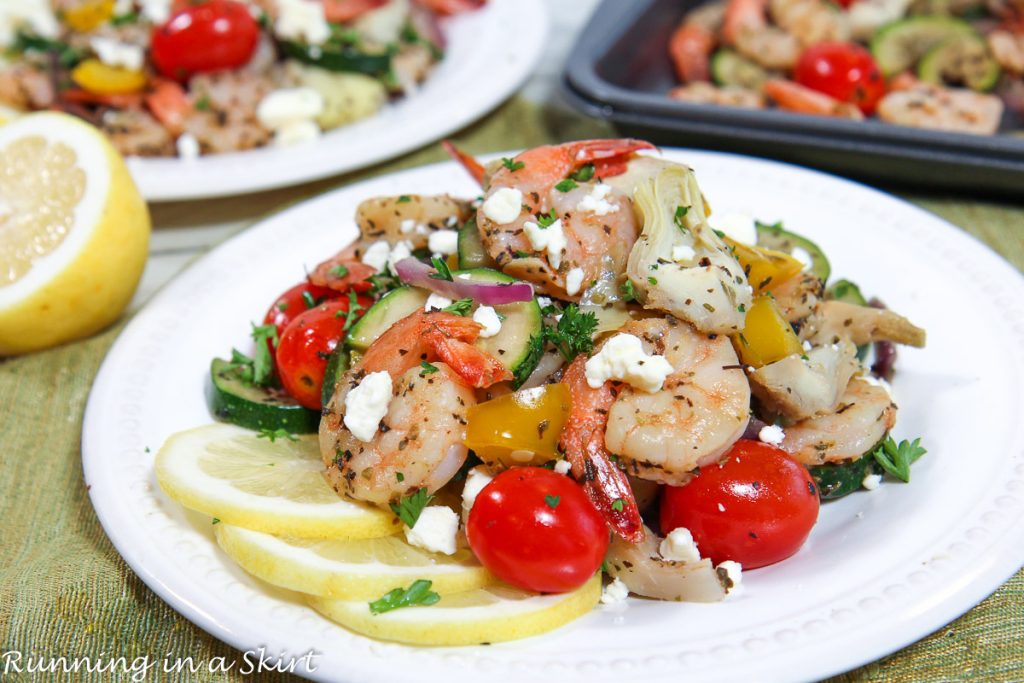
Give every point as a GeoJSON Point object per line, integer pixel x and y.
{"type": "Point", "coordinates": [415, 272]}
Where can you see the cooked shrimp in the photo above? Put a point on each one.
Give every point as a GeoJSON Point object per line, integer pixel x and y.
{"type": "Point", "coordinates": [811, 21]}
{"type": "Point", "coordinates": [227, 120]}
{"type": "Point", "coordinates": [746, 27]}
{"type": "Point", "coordinates": [836, 320]}
{"type": "Point", "coordinates": [1008, 49]}
{"type": "Point", "coordinates": [596, 219]}
{"type": "Point", "coordinates": [701, 410]}
{"type": "Point", "coordinates": [728, 96]}
{"type": "Point", "coordinates": [679, 265]}
{"type": "Point", "coordinates": [135, 133]}
{"type": "Point", "coordinates": [420, 443]}
{"type": "Point", "coordinates": [410, 217]}
{"type": "Point", "coordinates": [583, 440]}
{"type": "Point", "coordinates": [797, 387]}
{"type": "Point", "coordinates": [170, 105]}
{"type": "Point", "coordinates": [693, 40]}
{"type": "Point", "coordinates": [938, 108]}
{"type": "Point", "coordinates": [802, 100]}
{"type": "Point", "coordinates": [867, 16]}
{"type": "Point", "coordinates": [25, 87]}
{"type": "Point", "coordinates": [864, 415]}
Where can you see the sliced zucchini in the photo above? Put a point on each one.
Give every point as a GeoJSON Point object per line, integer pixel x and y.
{"type": "Point", "coordinates": [522, 321]}
{"type": "Point", "coordinates": [962, 60]}
{"type": "Point", "coordinates": [337, 365]}
{"type": "Point", "coordinates": [471, 248]}
{"type": "Point", "coordinates": [776, 237]}
{"type": "Point", "coordinates": [729, 68]}
{"type": "Point", "coordinates": [338, 57]}
{"type": "Point", "coordinates": [253, 407]}
{"type": "Point", "coordinates": [836, 480]}
{"type": "Point", "coordinates": [900, 45]}
{"type": "Point", "coordinates": [392, 307]}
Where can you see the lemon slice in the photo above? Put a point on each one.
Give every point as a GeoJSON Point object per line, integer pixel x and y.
{"type": "Point", "coordinates": [74, 232]}
{"type": "Point", "coordinates": [486, 615]}
{"type": "Point", "coordinates": [278, 487]}
{"type": "Point", "coordinates": [351, 570]}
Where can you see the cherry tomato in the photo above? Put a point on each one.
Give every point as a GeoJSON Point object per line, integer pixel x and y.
{"type": "Point", "coordinates": [211, 36]}
{"type": "Point", "coordinates": [294, 302]}
{"type": "Point", "coordinates": [757, 508]}
{"type": "Point", "coordinates": [845, 71]}
{"type": "Point", "coordinates": [305, 347]}
{"type": "Point", "coordinates": [536, 529]}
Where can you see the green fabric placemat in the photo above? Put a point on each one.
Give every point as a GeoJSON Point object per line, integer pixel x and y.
{"type": "Point", "coordinates": [65, 591]}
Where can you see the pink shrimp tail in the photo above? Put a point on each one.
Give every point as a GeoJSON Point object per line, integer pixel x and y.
{"type": "Point", "coordinates": [468, 162]}
{"type": "Point", "coordinates": [690, 47]}
{"type": "Point", "coordinates": [795, 97]}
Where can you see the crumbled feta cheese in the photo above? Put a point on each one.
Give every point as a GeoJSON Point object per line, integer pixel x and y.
{"type": "Point", "coordinates": [376, 255]}
{"type": "Point", "coordinates": [443, 242]}
{"type": "Point", "coordinates": [488, 317]}
{"type": "Point", "coordinates": [435, 530]}
{"type": "Point", "coordinates": [36, 15]}
{"type": "Point", "coordinates": [296, 133]}
{"type": "Point", "coordinates": [402, 250]}
{"type": "Point", "coordinates": [681, 252]}
{"type": "Point", "coordinates": [367, 404]}
{"type": "Point", "coordinates": [436, 302]}
{"type": "Point", "coordinates": [734, 575]}
{"type": "Point", "coordinates": [550, 239]}
{"type": "Point", "coordinates": [596, 202]}
{"type": "Point", "coordinates": [543, 301]}
{"type": "Point", "coordinates": [476, 479]}
{"type": "Point", "coordinates": [678, 546]}
{"type": "Point", "coordinates": [807, 345]}
{"type": "Point", "coordinates": [302, 20]}
{"type": "Point", "coordinates": [289, 105]}
{"type": "Point", "coordinates": [504, 205]}
{"type": "Point", "coordinates": [736, 226]}
{"type": "Point", "coordinates": [871, 481]}
{"type": "Point", "coordinates": [574, 281]}
{"type": "Point", "coordinates": [122, 7]}
{"type": "Point", "coordinates": [407, 226]}
{"type": "Point", "coordinates": [772, 434]}
{"type": "Point", "coordinates": [563, 467]}
{"type": "Point", "coordinates": [117, 54]}
{"type": "Point", "coordinates": [623, 358]}
{"type": "Point", "coordinates": [156, 11]}
{"type": "Point", "coordinates": [614, 592]}
{"type": "Point", "coordinates": [188, 146]}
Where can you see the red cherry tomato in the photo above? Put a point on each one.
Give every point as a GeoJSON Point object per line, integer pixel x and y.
{"type": "Point", "coordinates": [757, 508]}
{"type": "Point", "coordinates": [536, 529]}
{"type": "Point", "coordinates": [845, 71]}
{"type": "Point", "coordinates": [305, 347]}
{"type": "Point", "coordinates": [214, 35]}
{"type": "Point", "coordinates": [294, 302]}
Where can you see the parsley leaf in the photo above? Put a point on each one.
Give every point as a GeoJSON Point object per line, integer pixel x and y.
{"type": "Point", "coordinates": [552, 501]}
{"type": "Point", "coordinates": [273, 435]}
{"type": "Point", "coordinates": [338, 271]}
{"type": "Point", "coordinates": [418, 593]}
{"type": "Point", "coordinates": [263, 361]}
{"type": "Point", "coordinates": [628, 291]}
{"type": "Point", "coordinates": [216, 520]}
{"type": "Point", "coordinates": [897, 458]}
{"type": "Point", "coordinates": [583, 174]}
{"type": "Point", "coordinates": [308, 299]}
{"type": "Point", "coordinates": [512, 165]}
{"type": "Point", "coordinates": [408, 509]}
{"type": "Point", "coordinates": [522, 254]}
{"type": "Point", "coordinates": [383, 282]}
{"type": "Point", "coordinates": [443, 272]}
{"type": "Point", "coordinates": [535, 349]}
{"type": "Point", "coordinates": [241, 366]}
{"type": "Point", "coordinates": [618, 505]}
{"type": "Point", "coordinates": [460, 307]}
{"type": "Point", "coordinates": [203, 103]}
{"type": "Point", "coordinates": [678, 218]}
{"type": "Point", "coordinates": [428, 369]}
{"type": "Point", "coordinates": [652, 280]}
{"type": "Point", "coordinates": [546, 220]}
{"type": "Point", "coordinates": [402, 199]}
{"type": "Point", "coordinates": [574, 333]}
{"type": "Point", "coordinates": [124, 19]}
{"type": "Point", "coordinates": [566, 185]}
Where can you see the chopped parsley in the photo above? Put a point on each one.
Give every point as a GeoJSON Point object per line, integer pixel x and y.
{"type": "Point", "coordinates": [652, 280]}
{"type": "Point", "coordinates": [338, 271]}
{"type": "Point", "coordinates": [383, 282]}
{"type": "Point", "coordinates": [408, 509]}
{"type": "Point", "coordinates": [546, 220]}
{"type": "Point", "coordinates": [512, 165]}
{"type": "Point", "coordinates": [418, 593]}
{"type": "Point", "coordinates": [742, 308]}
{"type": "Point", "coordinates": [216, 520]}
{"type": "Point", "coordinates": [273, 435]}
{"type": "Point", "coordinates": [535, 349]}
{"type": "Point", "coordinates": [399, 476]}
{"type": "Point", "coordinates": [552, 501]}
{"type": "Point", "coordinates": [308, 299]}
{"type": "Point", "coordinates": [265, 336]}
{"type": "Point", "coordinates": [896, 459]}
{"type": "Point", "coordinates": [282, 305]}
{"type": "Point", "coordinates": [521, 254]}
{"type": "Point", "coordinates": [203, 103]}
{"type": "Point", "coordinates": [566, 185]}
{"type": "Point", "coordinates": [402, 199]}
{"type": "Point", "coordinates": [427, 369]}
{"type": "Point", "coordinates": [124, 19]}
{"type": "Point", "coordinates": [679, 215]}
{"type": "Point", "coordinates": [628, 291]}
{"type": "Point", "coordinates": [443, 272]}
{"type": "Point", "coordinates": [460, 307]}
{"type": "Point", "coordinates": [583, 173]}
{"type": "Point", "coordinates": [618, 505]}
{"type": "Point", "coordinates": [574, 332]}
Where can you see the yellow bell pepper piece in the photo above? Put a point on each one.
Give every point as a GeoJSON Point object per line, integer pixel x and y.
{"type": "Point", "coordinates": [101, 79]}
{"type": "Point", "coordinates": [767, 336]}
{"type": "Point", "coordinates": [89, 15]}
{"type": "Point", "coordinates": [765, 268]}
{"type": "Point", "coordinates": [522, 428]}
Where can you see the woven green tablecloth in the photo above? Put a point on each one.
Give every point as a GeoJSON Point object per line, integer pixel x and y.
{"type": "Point", "coordinates": [65, 591]}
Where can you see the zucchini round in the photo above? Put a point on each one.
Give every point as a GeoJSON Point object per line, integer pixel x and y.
{"type": "Point", "coordinates": [777, 238]}
{"type": "Point", "coordinates": [392, 307]}
{"type": "Point", "coordinates": [337, 57]}
{"type": "Point", "coordinates": [961, 60]}
{"type": "Point", "coordinates": [729, 68]}
{"type": "Point", "coordinates": [254, 407]}
{"type": "Point", "coordinates": [471, 248]}
{"type": "Point", "coordinates": [337, 365]}
{"type": "Point", "coordinates": [900, 45]}
{"type": "Point", "coordinates": [836, 480]}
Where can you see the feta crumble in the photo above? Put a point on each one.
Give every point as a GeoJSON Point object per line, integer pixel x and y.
{"type": "Point", "coordinates": [623, 358]}
{"type": "Point", "coordinates": [302, 20]}
{"type": "Point", "coordinates": [772, 434]}
{"type": "Point", "coordinates": [678, 546]}
{"type": "Point", "coordinates": [615, 592]}
{"type": "Point", "coordinates": [116, 54]}
{"type": "Point", "coordinates": [488, 317]}
{"type": "Point", "coordinates": [376, 255]}
{"type": "Point", "coordinates": [436, 302]}
{"type": "Point", "coordinates": [596, 202]}
{"type": "Point", "coordinates": [367, 404]}
{"type": "Point", "coordinates": [476, 479]}
{"type": "Point", "coordinates": [734, 573]}
{"type": "Point", "coordinates": [435, 530]}
{"type": "Point", "coordinates": [681, 252]}
{"type": "Point", "coordinates": [550, 239]}
{"type": "Point", "coordinates": [871, 481]}
{"type": "Point", "coordinates": [289, 105]}
{"type": "Point", "coordinates": [563, 467]}
{"type": "Point", "coordinates": [574, 281]}
{"type": "Point", "coordinates": [296, 133]}
{"type": "Point", "coordinates": [878, 382]}
{"type": "Point", "coordinates": [402, 250]}
{"type": "Point", "coordinates": [443, 242]}
{"type": "Point", "coordinates": [156, 11]}
{"type": "Point", "coordinates": [187, 146]}
{"type": "Point", "coordinates": [736, 226]}
{"type": "Point", "coordinates": [407, 226]}
{"type": "Point", "coordinates": [504, 205]}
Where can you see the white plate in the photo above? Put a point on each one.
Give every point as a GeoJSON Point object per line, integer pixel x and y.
{"type": "Point", "coordinates": [863, 586]}
{"type": "Point", "coordinates": [490, 53]}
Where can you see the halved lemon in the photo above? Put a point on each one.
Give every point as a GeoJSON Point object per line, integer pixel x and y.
{"type": "Point", "coordinates": [486, 615]}
{"type": "Point", "coordinates": [74, 232]}
{"type": "Point", "coordinates": [351, 570]}
{"type": "Point", "coordinates": [278, 487]}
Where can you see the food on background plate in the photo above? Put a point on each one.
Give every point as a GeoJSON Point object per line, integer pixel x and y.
{"type": "Point", "coordinates": [184, 78]}
{"type": "Point", "coordinates": [580, 373]}
{"type": "Point", "coordinates": [74, 232]}
{"type": "Point", "coordinates": [943, 66]}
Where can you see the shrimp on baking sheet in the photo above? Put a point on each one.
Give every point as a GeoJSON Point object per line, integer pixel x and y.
{"type": "Point", "coordinates": [746, 28]}
{"type": "Point", "coordinates": [417, 421]}
{"type": "Point", "coordinates": [691, 43]}
{"type": "Point", "coordinates": [924, 105]}
{"type": "Point", "coordinates": [794, 97]}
